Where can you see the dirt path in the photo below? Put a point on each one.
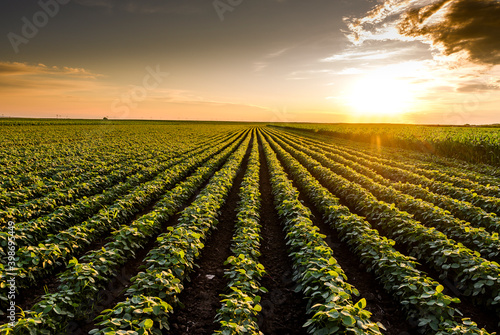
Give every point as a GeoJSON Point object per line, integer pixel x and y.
{"type": "Point", "coordinates": [283, 310]}
{"type": "Point", "coordinates": [200, 296]}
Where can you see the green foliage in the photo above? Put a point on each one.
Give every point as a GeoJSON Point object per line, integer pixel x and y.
{"type": "Point", "coordinates": [473, 144]}
{"type": "Point", "coordinates": [240, 306]}
{"type": "Point", "coordinates": [320, 278]}
{"type": "Point", "coordinates": [53, 186]}
{"type": "Point", "coordinates": [422, 298]}
{"type": "Point", "coordinates": [171, 262]}
{"type": "Point", "coordinates": [83, 279]}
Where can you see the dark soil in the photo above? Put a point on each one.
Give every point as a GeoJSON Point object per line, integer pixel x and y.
{"type": "Point", "coordinates": [115, 291]}
{"type": "Point", "coordinates": [201, 296]}
{"type": "Point", "coordinates": [283, 310]}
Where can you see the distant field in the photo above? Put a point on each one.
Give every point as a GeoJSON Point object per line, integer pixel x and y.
{"type": "Point", "coordinates": [144, 227]}
{"type": "Point", "coordinates": [473, 144]}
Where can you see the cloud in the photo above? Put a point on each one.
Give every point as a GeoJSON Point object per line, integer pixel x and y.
{"type": "Point", "coordinates": [24, 69]}
{"type": "Point", "coordinates": [278, 53]}
{"type": "Point", "coordinates": [265, 61]}
{"type": "Point", "coordinates": [310, 74]}
{"type": "Point", "coordinates": [259, 66]}
{"type": "Point", "coordinates": [377, 53]}
{"type": "Point", "coordinates": [354, 55]}
{"type": "Point", "coordinates": [475, 87]}
{"type": "Point", "coordinates": [40, 80]}
{"type": "Point", "coordinates": [465, 28]}
{"type": "Point", "coordinates": [351, 71]}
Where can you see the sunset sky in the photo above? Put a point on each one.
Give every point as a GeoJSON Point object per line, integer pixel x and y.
{"type": "Point", "coordinates": [414, 61]}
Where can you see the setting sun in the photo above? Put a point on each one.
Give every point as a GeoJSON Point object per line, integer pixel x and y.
{"type": "Point", "coordinates": [381, 95]}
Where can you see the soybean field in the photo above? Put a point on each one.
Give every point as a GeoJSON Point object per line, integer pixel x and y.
{"type": "Point", "coordinates": [131, 227]}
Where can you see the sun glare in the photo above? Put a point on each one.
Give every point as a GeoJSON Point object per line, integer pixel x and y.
{"type": "Point", "coordinates": [380, 95]}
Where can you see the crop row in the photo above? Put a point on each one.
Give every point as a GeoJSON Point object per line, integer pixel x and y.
{"type": "Point", "coordinates": [461, 209]}
{"type": "Point", "coordinates": [475, 238]}
{"type": "Point", "coordinates": [83, 184]}
{"type": "Point", "coordinates": [420, 296]}
{"type": "Point", "coordinates": [29, 186]}
{"type": "Point", "coordinates": [44, 168]}
{"type": "Point", "coordinates": [428, 165]}
{"type": "Point", "coordinates": [477, 145]}
{"type": "Point", "coordinates": [431, 166]}
{"type": "Point", "coordinates": [240, 305]}
{"type": "Point", "coordinates": [22, 185]}
{"type": "Point", "coordinates": [467, 180]}
{"type": "Point", "coordinates": [30, 233]}
{"type": "Point", "coordinates": [85, 278]}
{"type": "Point", "coordinates": [488, 203]}
{"type": "Point", "coordinates": [36, 261]}
{"type": "Point", "coordinates": [153, 293]}
{"type": "Point", "coordinates": [474, 275]}
{"type": "Point", "coordinates": [320, 278]}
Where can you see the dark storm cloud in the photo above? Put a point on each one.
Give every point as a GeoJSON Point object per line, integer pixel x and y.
{"type": "Point", "coordinates": [471, 26]}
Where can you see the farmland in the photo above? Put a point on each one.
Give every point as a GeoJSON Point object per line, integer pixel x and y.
{"type": "Point", "coordinates": [475, 144]}
{"type": "Point", "coordinates": [206, 228]}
